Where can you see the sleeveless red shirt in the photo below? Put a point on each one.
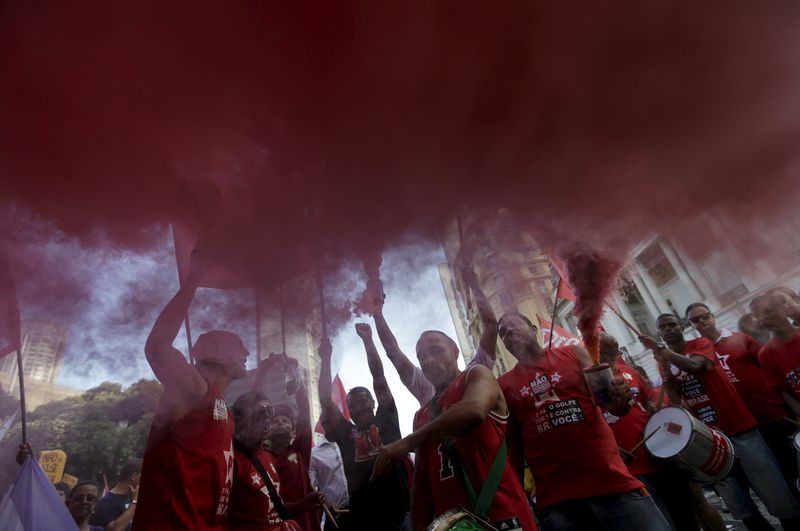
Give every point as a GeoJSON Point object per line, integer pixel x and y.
{"type": "Point", "coordinates": [187, 472]}
{"type": "Point", "coordinates": [477, 450]}
{"type": "Point", "coordinates": [570, 449]}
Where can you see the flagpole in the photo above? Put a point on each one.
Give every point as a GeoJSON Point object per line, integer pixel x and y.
{"type": "Point", "coordinates": [23, 416]}
{"type": "Point", "coordinates": [467, 298]}
{"type": "Point", "coordinates": [180, 283]}
{"type": "Point", "coordinates": [322, 304]}
{"type": "Point", "coordinates": [283, 318]}
{"type": "Point", "coordinates": [553, 314]}
{"type": "Point", "coordinates": [258, 325]}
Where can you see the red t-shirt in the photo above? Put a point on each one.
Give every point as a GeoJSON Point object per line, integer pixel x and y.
{"type": "Point", "coordinates": [629, 430]}
{"type": "Point", "coordinates": [252, 508]}
{"type": "Point", "coordinates": [292, 470]}
{"type": "Point", "coordinates": [570, 449]}
{"type": "Point", "coordinates": [738, 356]}
{"type": "Point", "coordinates": [710, 395]}
{"type": "Point", "coordinates": [187, 472]}
{"type": "Point", "coordinates": [477, 451]}
{"type": "Point", "coordinates": [780, 362]}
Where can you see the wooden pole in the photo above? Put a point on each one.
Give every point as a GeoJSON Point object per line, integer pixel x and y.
{"type": "Point", "coordinates": [553, 314]}
{"type": "Point", "coordinates": [627, 323]}
{"type": "Point", "coordinates": [322, 315]}
{"type": "Point", "coordinates": [283, 318]}
{"type": "Point", "coordinates": [23, 413]}
{"type": "Point", "coordinates": [258, 325]}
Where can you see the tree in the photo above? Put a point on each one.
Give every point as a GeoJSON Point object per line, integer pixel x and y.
{"type": "Point", "coordinates": [99, 430]}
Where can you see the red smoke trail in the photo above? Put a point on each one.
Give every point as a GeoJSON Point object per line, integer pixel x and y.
{"type": "Point", "coordinates": [591, 276]}
{"type": "Point", "coordinates": [621, 118]}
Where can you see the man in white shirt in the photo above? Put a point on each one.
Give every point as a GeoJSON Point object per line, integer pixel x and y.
{"type": "Point", "coordinates": [326, 471]}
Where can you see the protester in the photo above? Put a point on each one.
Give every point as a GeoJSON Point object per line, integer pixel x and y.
{"type": "Point", "coordinates": [738, 356]}
{"type": "Point", "coordinates": [188, 463]}
{"type": "Point", "coordinates": [581, 480]}
{"type": "Point", "coordinates": [63, 490]}
{"type": "Point", "coordinates": [411, 375]}
{"type": "Point", "coordinates": [289, 442]}
{"type": "Point", "coordinates": [693, 368]}
{"type": "Point", "coordinates": [256, 504]}
{"type": "Point", "coordinates": [780, 357]}
{"type": "Point", "coordinates": [81, 502]}
{"type": "Point", "coordinates": [383, 502]}
{"type": "Point", "coordinates": [460, 433]}
{"type": "Point", "coordinates": [326, 472]}
{"type": "Point", "coordinates": [748, 324]}
{"type": "Point", "coordinates": [668, 485]}
{"type": "Point", "coordinates": [115, 510]}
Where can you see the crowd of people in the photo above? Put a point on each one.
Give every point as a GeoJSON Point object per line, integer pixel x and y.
{"type": "Point", "coordinates": [476, 438]}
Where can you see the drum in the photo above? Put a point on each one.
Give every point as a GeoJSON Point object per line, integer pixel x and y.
{"type": "Point", "coordinates": [699, 449]}
{"type": "Point", "coordinates": [456, 520]}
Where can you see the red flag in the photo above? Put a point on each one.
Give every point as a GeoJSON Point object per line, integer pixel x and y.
{"type": "Point", "coordinates": [561, 337]}
{"type": "Point", "coordinates": [339, 396]}
{"type": "Point", "coordinates": [564, 290]}
{"type": "Point", "coordinates": [10, 336]}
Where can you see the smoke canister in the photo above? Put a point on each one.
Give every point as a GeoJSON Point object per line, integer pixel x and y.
{"type": "Point", "coordinates": [599, 379]}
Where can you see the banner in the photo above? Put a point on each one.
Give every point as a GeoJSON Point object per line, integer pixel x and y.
{"type": "Point", "coordinates": [561, 337]}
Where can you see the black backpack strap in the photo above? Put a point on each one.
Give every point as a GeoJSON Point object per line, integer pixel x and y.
{"type": "Point", "coordinates": [273, 493]}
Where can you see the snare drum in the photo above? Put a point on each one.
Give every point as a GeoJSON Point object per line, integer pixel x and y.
{"type": "Point", "coordinates": [455, 520]}
{"type": "Point", "coordinates": [796, 443]}
{"type": "Point", "coordinates": [701, 450]}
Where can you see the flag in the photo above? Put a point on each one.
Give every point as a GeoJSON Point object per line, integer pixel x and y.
{"type": "Point", "coordinates": [564, 290]}
{"type": "Point", "coordinates": [32, 503]}
{"type": "Point", "coordinates": [561, 337]}
{"type": "Point", "coordinates": [339, 396]}
{"type": "Point", "coordinates": [10, 336]}
{"type": "Point", "coordinates": [6, 425]}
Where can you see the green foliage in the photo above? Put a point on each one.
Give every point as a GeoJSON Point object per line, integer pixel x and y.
{"type": "Point", "coordinates": [98, 430]}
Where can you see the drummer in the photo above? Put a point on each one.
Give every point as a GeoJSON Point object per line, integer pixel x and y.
{"type": "Point", "coordinates": [668, 485]}
{"type": "Point", "coordinates": [581, 480]}
{"type": "Point", "coordinates": [692, 367]}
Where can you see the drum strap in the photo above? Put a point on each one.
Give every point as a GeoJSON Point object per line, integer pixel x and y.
{"type": "Point", "coordinates": [273, 493]}
{"type": "Point", "coordinates": [482, 501]}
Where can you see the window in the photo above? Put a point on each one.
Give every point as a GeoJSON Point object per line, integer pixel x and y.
{"type": "Point", "coordinates": [657, 265]}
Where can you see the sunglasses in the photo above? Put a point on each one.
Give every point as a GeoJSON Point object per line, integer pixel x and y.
{"type": "Point", "coordinates": [702, 318]}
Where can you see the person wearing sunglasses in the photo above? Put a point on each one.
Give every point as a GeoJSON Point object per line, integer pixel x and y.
{"type": "Point", "coordinates": [738, 356]}
{"type": "Point", "coordinates": [81, 502]}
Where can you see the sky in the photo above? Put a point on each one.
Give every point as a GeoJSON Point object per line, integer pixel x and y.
{"type": "Point", "coordinates": [121, 292]}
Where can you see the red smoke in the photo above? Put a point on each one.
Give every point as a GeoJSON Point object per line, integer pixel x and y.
{"type": "Point", "coordinates": [279, 127]}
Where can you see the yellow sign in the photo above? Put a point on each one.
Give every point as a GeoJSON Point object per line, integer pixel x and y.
{"type": "Point", "coordinates": [70, 480]}
{"type": "Point", "coordinates": [53, 463]}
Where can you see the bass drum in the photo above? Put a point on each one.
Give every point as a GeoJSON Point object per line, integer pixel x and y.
{"type": "Point", "coordinates": [455, 520]}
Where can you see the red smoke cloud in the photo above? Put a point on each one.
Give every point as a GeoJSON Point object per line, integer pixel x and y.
{"type": "Point", "coordinates": [282, 127]}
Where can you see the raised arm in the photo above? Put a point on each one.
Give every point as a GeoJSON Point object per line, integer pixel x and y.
{"type": "Point", "coordinates": [400, 361]}
{"type": "Point", "coordinates": [488, 340]}
{"type": "Point", "coordinates": [379, 385]}
{"type": "Point", "coordinates": [692, 364]}
{"type": "Point", "coordinates": [482, 395]}
{"type": "Point", "coordinates": [330, 413]}
{"type": "Point", "coordinates": [302, 427]}
{"type": "Point", "coordinates": [182, 383]}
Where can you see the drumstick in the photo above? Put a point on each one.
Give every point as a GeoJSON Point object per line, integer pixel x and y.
{"type": "Point", "coordinates": [328, 511]}
{"type": "Point", "coordinates": [627, 323]}
{"type": "Point", "coordinates": [661, 393]}
{"type": "Point", "coordinates": [792, 421]}
{"type": "Point", "coordinates": [644, 440]}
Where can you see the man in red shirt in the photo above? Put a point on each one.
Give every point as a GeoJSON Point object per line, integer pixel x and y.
{"type": "Point", "coordinates": [581, 480]}
{"type": "Point", "coordinates": [668, 485]}
{"type": "Point", "coordinates": [187, 471]}
{"type": "Point", "coordinates": [694, 369]}
{"type": "Point", "coordinates": [738, 356]}
{"type": "Point", "coordinates": [780, 357]}
{"type": "Point", "coordinates": [252, 506]}
{"type": "Point", "coordinates": [459, 432]}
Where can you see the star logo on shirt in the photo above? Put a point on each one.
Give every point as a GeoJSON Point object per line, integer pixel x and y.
{"type": "Point", "coordinates": [525, 391]}
{"type": "Point", "coordinates": [555, 377]}
{"type": "Point", "coordinates": [255, 480]}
